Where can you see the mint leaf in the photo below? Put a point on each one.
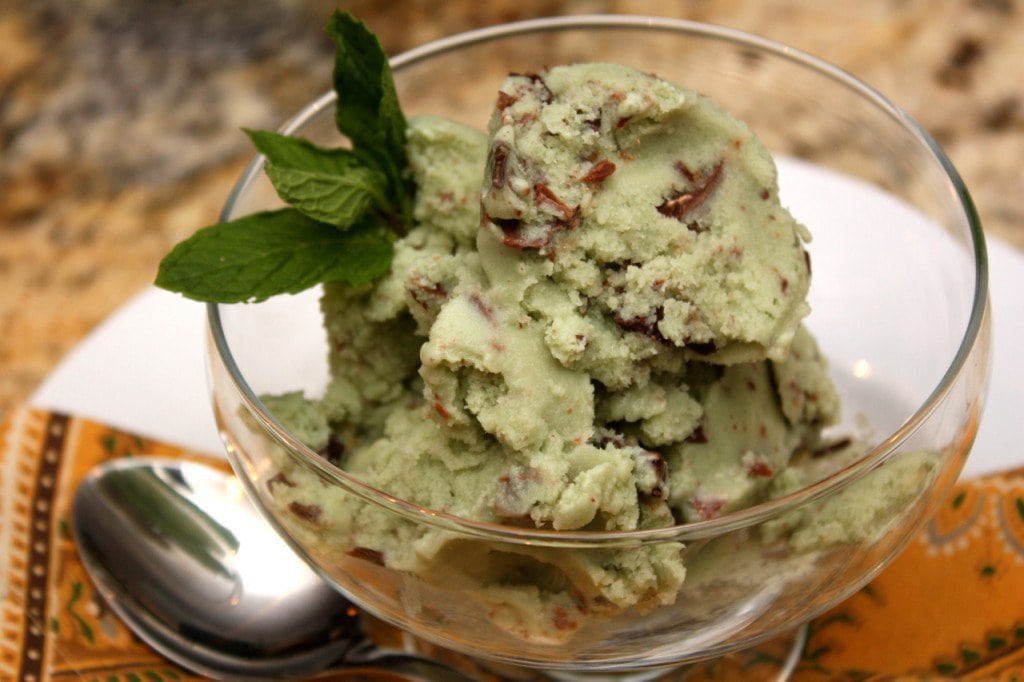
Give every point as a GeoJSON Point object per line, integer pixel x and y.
{"type": "Point", "coordinates": [270, 253]}
{"type": "Point", "coordinates": [367, 110]}
{"type": "Point", "coordinates": [333, 186]}
{"type": "Point", "coordinates": [295, 152]}
{"type": "Point", "coordinates": [338, 200]}
{"type": "Point", "coordinates": [363, 191]}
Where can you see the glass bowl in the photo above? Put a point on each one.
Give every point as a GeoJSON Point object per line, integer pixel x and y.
{"type": "Point", "coordinates": [899, 306]}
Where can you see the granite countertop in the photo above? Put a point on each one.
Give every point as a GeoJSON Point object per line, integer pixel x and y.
{"type": "Point", "coordinates": [119, 119]}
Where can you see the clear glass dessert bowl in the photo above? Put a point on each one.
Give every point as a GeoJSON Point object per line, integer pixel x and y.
{"type": "Point", "coordinates": [899, 307]}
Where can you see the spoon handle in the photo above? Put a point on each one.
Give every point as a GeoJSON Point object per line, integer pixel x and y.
{"type": "Point", "coordinates": [412, 665]}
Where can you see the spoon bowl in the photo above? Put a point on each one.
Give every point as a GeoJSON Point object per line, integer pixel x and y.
{"type": "Point", "coordinates": [185, 560]}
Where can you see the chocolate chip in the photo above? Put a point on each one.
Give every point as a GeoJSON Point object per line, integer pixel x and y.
{"type": "Point", "coordinates": [698, 436]}
{"type": "Point", "coordinates": [648, 326]}
{"type": "Point", "coordinates": [499, 165]}
{"type": "Point", "coordinates": [306, 512]}
{"type": "Point", "coordinates": [333, 451]}
{"type": "Point", "coordinates": [685, 171]}
{"type": "Point", "coordinates": [679, 203]}
{"type": "Point", "coordinates": [366, 554]}
{"type": "Point", "coordinates": [505, 100]}
{"type": "Point", "coordinates": [544, 195]}
{"type": "Point", "coordinates": [599, 171]}
{"type": "Point", "coordinates": [760, 468]}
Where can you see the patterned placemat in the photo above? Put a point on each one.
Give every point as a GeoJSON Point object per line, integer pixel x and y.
{"type": "Point", "coordinates": [950, 606]}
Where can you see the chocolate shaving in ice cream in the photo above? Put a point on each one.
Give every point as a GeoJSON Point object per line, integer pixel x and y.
{"type": "Point", "coordinates": [333, 451]}
{"type": "Point", "coordinates": [546, 196]}
{"type": "Point", "coordinates": [366, 554]}
{"type": "Point", "coordinates": [505, 100]}
{"type": "Point", "coordinates": [685, 171]}
{"type": "Point", "coordinates": [699, 435]}
{"type": "Point", "coordinates": [306, 512]}
{"type": "Point", "coordinates": [499, 162]}
{"type": "Point", "coordinates": [679, 203]}
{"type": "Point", "coordinates": [648, 326]}
{"type": "Point", "coordinates": [599, 171]}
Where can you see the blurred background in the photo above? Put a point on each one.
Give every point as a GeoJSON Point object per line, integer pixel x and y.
{"type": "Point", "coordinates": [119, 119]}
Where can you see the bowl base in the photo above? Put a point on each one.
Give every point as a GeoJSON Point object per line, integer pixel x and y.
{"type": "Point", "coordinates": [772, 661]}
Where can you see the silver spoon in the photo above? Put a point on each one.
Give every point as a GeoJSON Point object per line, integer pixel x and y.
{"type": "Point", "coordinates": [186, 561]}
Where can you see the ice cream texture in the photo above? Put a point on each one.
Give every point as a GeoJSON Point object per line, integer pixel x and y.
{"type": "Point", "coordinates": [595, 324]}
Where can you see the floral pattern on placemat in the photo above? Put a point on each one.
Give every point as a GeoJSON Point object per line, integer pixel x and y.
{"type": "Point", "coordinates": [55, 626]}
{"type": "Point", "coordinates": [950, 606]}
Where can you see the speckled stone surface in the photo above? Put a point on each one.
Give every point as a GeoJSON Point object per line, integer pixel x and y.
{"type": "Point", "coordinates": [119, 119]}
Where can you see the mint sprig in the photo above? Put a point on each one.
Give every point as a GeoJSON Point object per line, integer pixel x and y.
{"type": "Point", "coordinates": [345, 204]}
{"type": "Point", "coordinates": [273, 252]}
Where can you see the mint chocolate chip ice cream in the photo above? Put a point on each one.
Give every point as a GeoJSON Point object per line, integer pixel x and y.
{"type": "Point", "coordinates": [595, 324]}
{"type": "Point", "coordinates": [658, 212]}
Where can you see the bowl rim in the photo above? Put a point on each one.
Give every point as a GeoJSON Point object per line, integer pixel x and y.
{"type": "Point", "coordinates": [741, 518]}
